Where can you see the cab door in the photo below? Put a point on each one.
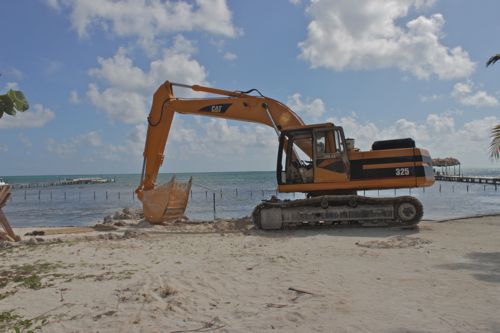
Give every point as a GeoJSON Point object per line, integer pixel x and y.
{"type": "Point", "coordinates": [331, 163]}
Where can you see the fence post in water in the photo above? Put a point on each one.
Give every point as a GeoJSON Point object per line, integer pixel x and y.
{"type": "Point", "coordinates": [214, 204]}
{"type": "Point", "coordinates": [467, 188]}
{"type": "Point", "coordinates": [94, 195]}
{"type": "Point", "coordinates": [495, 187]}
{"type": "Point", "coordinates": [236, 190]}
{"type": "Point", "coordinates": [378, 193]}
{"type": "Point", "coordinates": [221, 193]}
{"type": "Point", "coordinates": [206, 194]}
{"type": "Point", "coordinates": [439, 188]}
{"type": "Point", "coordinates": [133, 195]}
{"type": "Point", "coordinates": [409, 191]}
{"type": "Point", "coordinates": [484, 188]}
{"type": "Point", "coordinates": [191, 194]}
{"type": "Point", "coordinates": [106, 195]}
{"type": "Point", "coordinates": [24, 195]}
{"type": "Point", "coordinates": [251, 194]}
{"type": "Point", "coordinates": [64, 196]}
{"type": "Point", "coordinates": [394, 192]}
{"type": "Point", "coordinates": [423, 189]}
{"type": "Point", "coordinates": [453, 188]}
{"type": "Point", "coordinates": [118, 195]}
{"type": "Point", "coordinates": [39, 192]}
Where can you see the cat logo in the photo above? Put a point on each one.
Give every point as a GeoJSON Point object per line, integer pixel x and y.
{"type": "Point", "coordinates": [216, 108]}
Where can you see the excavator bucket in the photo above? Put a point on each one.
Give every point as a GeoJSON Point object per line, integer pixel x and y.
{"type": "Point", "coordinates": [167, 202]}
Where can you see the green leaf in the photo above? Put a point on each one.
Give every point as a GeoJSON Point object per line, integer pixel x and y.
{"type": "Point", "coordinates": [6, 105]}
{"type": "Point", "coordinates": [19, 100]}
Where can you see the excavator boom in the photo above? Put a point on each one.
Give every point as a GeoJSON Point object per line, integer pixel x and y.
{"type": "Point", "coordinates": [234, 105]}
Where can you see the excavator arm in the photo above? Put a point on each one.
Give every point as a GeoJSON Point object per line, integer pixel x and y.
{"type": "Point", "coordinates": [235, 105]}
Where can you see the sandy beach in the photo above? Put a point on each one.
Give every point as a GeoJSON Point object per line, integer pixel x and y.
{"type": "Point", "coordinates": [228, 277]}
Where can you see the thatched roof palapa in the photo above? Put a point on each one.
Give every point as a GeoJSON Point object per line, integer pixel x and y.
{"type": "Point", "coordinates": [444, 162]}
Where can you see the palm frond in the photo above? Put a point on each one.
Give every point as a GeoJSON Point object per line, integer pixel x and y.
{"type": "Point", "coordinates": [493, 59]}
{"type": "Point", "coordinates": [495, 143]}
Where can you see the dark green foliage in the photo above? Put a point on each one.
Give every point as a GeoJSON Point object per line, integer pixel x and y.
{"type": "Point", "coordinates": [493, 59]}
{"type": "Point", "coordinates": [495, 143]}
{"type": "Point", "coordinates": [12, 101]}
{"type": "Point", "coordinates": [11, 322]}
{"type": "Point", "coordinates": [495, 132]}
{"type": "Point", "coordinates": [19, 100]}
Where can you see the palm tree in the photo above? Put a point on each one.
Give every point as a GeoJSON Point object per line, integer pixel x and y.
{"type": "Point", "coordinates": [495, 143]}
{"type": "Point", "coordinates": [493, 59]}
{"type": "Point", "coordinates": [495, 132]}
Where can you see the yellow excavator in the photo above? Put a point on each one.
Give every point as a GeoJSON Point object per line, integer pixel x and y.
{"type": "Point", "coordinates": [316, 160]}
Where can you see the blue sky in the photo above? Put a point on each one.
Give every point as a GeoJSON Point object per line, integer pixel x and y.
{"type": "Point", "coordinates": [382, 69]}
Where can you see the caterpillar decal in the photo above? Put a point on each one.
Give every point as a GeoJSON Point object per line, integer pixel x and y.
{"type": "Point", "coordinates": [216, 108]}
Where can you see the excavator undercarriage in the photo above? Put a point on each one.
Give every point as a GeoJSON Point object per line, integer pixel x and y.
{"type": "Point", "coordinates": [403, 211]}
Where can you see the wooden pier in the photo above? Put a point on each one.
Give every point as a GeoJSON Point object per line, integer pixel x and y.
{"type": "Point", "coordinates": [469, 179]}
{"type": "Point", "coordinates": [61, 182]}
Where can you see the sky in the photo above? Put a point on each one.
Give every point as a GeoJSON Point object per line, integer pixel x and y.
{"type": "Point", "coordinates": [382, 69]}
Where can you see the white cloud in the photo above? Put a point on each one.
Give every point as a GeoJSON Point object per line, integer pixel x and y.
{"type": "Point", "coordinates": [36, 116]}
{"type": "Point", "coordinates": [359, 34]}
{"type": "Point", "coordinates": [442, 124]}
{"type": "Point", "coordinates": [313, 109]}
{"type": "Point", "coordinates": [74, 98]}
{"type": "Point", "coordinates": [12, 73]}
{"type": "Point", "coordinates": [130, 89]}
{"type": "Point", "coordinates": [92, 138]}
{"type": "Point", "coordinates": [61, 149]}
{"type": "Point", "coordinates": [230, 56]}
{"type": "Point", "coordinates": [221, 138]}
{"type": "Point", "coordinates": [431, 98]}
{"type": "Point", "coordinates": [463, 93]}
{"type": "Point", "coordinates": [25, 140]}
{"type": "Point", "coordinates": [131, 149]}
{"type": "Point", "coordinates": [54, 4]}
{"type": "Point", "coordinates": [73, 145]}
{"type": "Point", "coordinates": [122, 105]}
{"type": "Point", "coordinates": [295, 2]}
{"type": "Point", "coordinates": [147, 20]}
{"type": "Point", "coordinates": [12, 85]}
{"type": "Point", "coordinates": [52, 66]}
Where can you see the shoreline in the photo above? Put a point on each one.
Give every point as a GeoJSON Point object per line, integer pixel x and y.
{"type": "Point", "coordinates": [201, 221]}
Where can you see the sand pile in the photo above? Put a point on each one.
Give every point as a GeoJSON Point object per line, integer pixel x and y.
{"type": "Point", "coordinates": [134, 218]}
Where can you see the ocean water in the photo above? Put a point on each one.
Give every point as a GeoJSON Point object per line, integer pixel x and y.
{"type": "Point", "coordinates": [236, 193]}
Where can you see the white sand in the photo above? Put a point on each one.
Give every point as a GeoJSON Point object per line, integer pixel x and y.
{"type": "Point", "coordinates": [443, 277]}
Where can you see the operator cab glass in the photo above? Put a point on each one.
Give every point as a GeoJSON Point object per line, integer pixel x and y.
{"type": "Point", "coordinates": [312, 155]}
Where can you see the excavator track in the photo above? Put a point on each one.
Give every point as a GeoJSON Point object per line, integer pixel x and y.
{"type": "Point", "coordinates": [403, 211]}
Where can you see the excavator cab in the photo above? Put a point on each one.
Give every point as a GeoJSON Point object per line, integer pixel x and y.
{"type": "Point", "coordinates": [313, 154]}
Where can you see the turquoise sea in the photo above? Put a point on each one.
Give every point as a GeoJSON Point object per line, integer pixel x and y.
{"type": "Point", "coordinates": [236, 193]}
